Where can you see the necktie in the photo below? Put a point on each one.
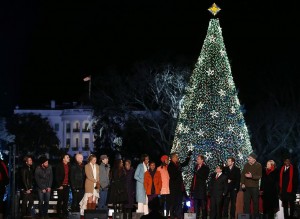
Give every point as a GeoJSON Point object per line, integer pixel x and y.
{"type": "Point", "coordinates": [217, 176]}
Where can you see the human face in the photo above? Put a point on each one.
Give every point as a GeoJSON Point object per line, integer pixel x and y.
{"type": "Point", "coordinates": [167, 161]}
{"type": "Point", "coordinates": [287, 162]}
{"type": "Point", "coordinates": [218, 169]}
{"type": "Point", "coordinates": [146, 161]}
{"type": "Point", "coordinates": [199, 160]}
{"type": "Point", "coordinates": [45, 164]}
{"type": "Point", "coordinates": [29, 161]}
{"type": "Point", "coordinates": [105, 161]}
{"type": "Point", "coordinates": [121, 163]}
{"type": "Point", "coordinates": [230, 162]}
{"type": "Point", "coordinates": [175, 158]}
{"type": "Point", "coordinates": [66, 159]}
{"type": "Point", "coordinates": [93, 161]}
{"type": "Point", "coordinates": [79, 158]}
{"type": "Point", "coordinates": [152, 166]}
{"type": "Point", "coordinates": [269, 165]}
{"type": "Point", "coordinates": [251, 160]}
{"type": "Point", "coordinates": [127, 165]}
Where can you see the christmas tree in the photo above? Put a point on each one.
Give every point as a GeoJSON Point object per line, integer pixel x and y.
{"type": "Point", "coordinates": [211, 121]}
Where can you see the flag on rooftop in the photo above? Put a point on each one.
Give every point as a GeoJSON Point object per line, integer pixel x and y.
{"type": "Point", "coordinates": [88, 78]}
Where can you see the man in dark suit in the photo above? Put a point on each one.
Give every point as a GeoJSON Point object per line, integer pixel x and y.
{"type": "Point", "coordinates": [233, 174]}
{"type": "Point", "coordinates": [198, 189]}
{"type": "Point", "coordinates": [176, 185]}
{"type": "Point", "coordinates": [218, 190]}
{"type": "Point", "coordinates": [288, 184]}
{"type": "Point", "coordinates": [62, 178]}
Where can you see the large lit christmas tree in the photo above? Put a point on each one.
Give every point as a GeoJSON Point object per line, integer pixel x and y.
{"type": "Point", "coordinates": [211, 121]}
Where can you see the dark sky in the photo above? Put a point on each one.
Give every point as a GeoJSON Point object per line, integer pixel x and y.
{"type": "Point", "coordinates": [47, 47]}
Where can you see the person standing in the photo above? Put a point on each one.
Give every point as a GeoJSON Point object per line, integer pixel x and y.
{"type": "Point", "coordinates": [130, 187]}
{"type": "Point", "coordinates": [288, 184]}
{"type": "Point", "coordinates": [250, 177]}
{"type": "Point", "coordinates": [141, 197]}
{"type": "Point", "coordinates": [154, 210]}
{"type": "Point", "coordinates": [176, 185]}
{"type": "Point", "coordinates": [4, 180]}
{"type": "Point", "coordinates": [27, 186]}
{"type": "Point", "coordinates": [269, 188]}
{"type": "Point", "coordinates": [91, 185]}
{"type": "Point", "coordinates": [199, 187]}
{"type": "Point", "coordinates": [62, 176]}
{"type": "Point", "coordinates": [104, 181]}
{"type": "Point", "coordinates": [218, 190]}
{"type": "Point", "coordinates": [165, 189]}
{"type": "Point", "coordinates": [233, 174]}
{"type": "Point", "coordinates": [77, 179]}
{"type": "Point", "coordinates": [117, 190]}
{"type": "Point", "coordinates": [152, 182]}
{"type": "Point", "coordinates": [43, 176]}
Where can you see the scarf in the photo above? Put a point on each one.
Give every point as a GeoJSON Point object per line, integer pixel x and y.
{"type": "Point", "coordinates": [152, 173]}
{"type": "Point", "coordinates": [291, 172]}
{"type": "Point", "coordinates": [268, 171]}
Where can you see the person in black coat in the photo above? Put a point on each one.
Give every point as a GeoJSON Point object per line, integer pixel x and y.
{"type": "Point", "coordinates": [27, 178]}
{"type": "Point", "coordinates": [62, 179]}
{"type": "Point", "coordinates": [4, 181]}
{"type": "Point", "coordinates": [176, 185]}
{"type": "Point", "coordinates": [269, 188]}
{"type": "Point", "coordinates": [199, 187]}
{"type": "Point", "coordinates": [130, 186]}
{"type": "Point", "coordinates": [117, 192]}
{"type": "Point", "coordinates": [288, 184]}
{"type": "Point", "coordinates": [233, 174]}
{"type": "Point", "coordinates": [77, 180]}
{"type": "Point", "coordinates": [218, 190]}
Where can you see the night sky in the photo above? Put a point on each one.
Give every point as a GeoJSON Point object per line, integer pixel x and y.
{"type": "Point", "coordinates": [47, 47]}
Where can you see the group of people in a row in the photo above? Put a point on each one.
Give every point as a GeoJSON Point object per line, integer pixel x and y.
{"type": "Point", "coordinates": [97, 185]}
{"type": "Point", "coordinates": [224, 184]}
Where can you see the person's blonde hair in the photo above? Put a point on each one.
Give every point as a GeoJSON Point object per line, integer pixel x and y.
{"type": "Point", "coordinates": [272, 162]}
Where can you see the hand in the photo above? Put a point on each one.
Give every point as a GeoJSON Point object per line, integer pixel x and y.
{"type": "Point", "coordinates": [248, 175]}
{"type": "Point", "coordinates": [60, 188]}
{"type": "Point", "coordinates": [229, 180]}
{"type": "Point", "coordinates": [243, 187]}
{"type": "Point", "coordinates": [48, 190]}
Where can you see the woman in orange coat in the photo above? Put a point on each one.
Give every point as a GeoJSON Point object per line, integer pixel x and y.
{"type": "Point", "coordinates": [152, 182]}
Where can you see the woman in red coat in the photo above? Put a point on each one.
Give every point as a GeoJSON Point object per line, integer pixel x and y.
{"type": "Point", "coordinates": [152, 182]}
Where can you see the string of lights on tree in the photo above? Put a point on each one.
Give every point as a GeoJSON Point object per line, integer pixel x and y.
{"type": "Point", "coordinates": [211, 121]}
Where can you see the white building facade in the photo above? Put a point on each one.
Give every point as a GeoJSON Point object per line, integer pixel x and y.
{"type": "Point", "coordinates": [73, 127]}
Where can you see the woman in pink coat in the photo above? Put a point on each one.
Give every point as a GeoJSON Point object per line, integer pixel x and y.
{"type": "Point", "coordinates": [165, 189]}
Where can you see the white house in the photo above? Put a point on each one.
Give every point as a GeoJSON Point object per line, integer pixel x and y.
{"type": "Point", "coordinates": [71, 124]}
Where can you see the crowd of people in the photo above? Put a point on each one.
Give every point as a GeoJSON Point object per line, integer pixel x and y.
{"type": "Point", "coordinates": [94, 186]}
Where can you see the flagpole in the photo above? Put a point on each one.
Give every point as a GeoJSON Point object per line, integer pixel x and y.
{"type": "Point", "coordinates": [89, 79]}
{"type": "Point", "coordinates": [90, 85]}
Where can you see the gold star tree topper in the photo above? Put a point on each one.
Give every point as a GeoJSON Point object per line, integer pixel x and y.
{"type": "Point", "coordinates": [214, 9]}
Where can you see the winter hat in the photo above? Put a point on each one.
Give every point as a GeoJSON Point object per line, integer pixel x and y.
{"type": "Point", "coordinates": [43, 159]}
{"type": "Point", "coordinates": [103, 156]}
{"type": "Point", "coordinates": [164, 158]}
{"type": "Point", "coordinates": [253, 155]}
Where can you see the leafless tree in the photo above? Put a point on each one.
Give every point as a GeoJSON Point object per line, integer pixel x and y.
{"type": "Point", "coordinates": [275, 123]}
{"type": "Point", "coordinates": [165, 89]}
{"type": "Point", "coordinates": [151, 97]}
